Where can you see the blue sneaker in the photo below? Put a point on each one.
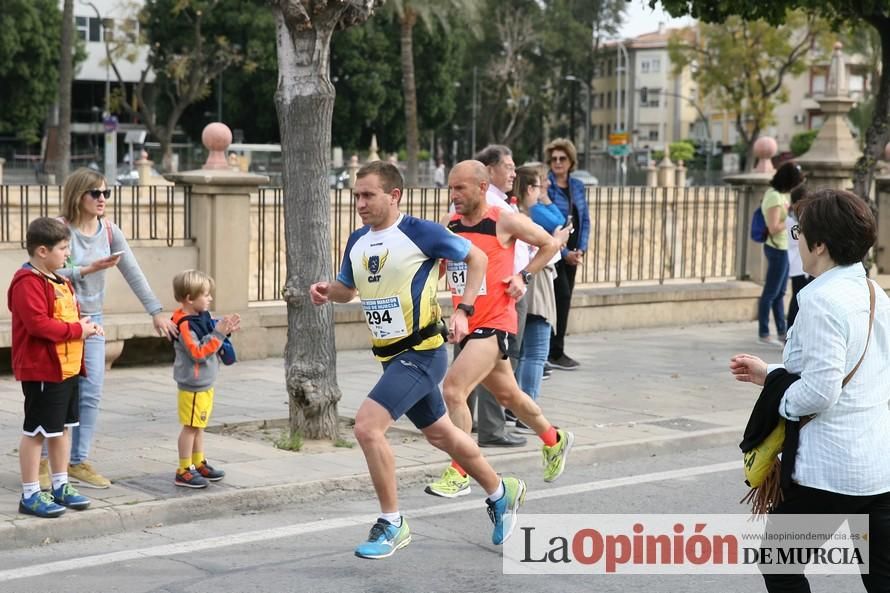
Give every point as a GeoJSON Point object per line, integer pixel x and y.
{"type": "Point", "coordinates": [502, 512]}
{"type": "Point", "coordinates": [67, 496]}
{"type": "Point", "coordinates": [384, 539]}
{"type": "Point", "coordinates": [40, 504]}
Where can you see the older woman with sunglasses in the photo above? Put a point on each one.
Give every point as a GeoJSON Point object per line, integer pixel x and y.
{"type": "Point", "coordinates": [96, 245]}
{"type": "Point", "coordinates": [570, 197]}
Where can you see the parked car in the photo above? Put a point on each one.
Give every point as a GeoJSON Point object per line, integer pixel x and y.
{"type": "Point", "coordinates": [585, 177]}
{"type": "Point", "coordinates": [130, 176]}
{"type": "Point", "coordinates": [338, 177]}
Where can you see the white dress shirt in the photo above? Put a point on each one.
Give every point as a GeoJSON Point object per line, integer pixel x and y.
{"type": "Point", "coordinates": [846, 447]}
{"type": "Point", "coordinates": [522, 250]}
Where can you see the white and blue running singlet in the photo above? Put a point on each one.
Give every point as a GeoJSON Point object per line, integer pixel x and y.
{"type": "Point", "coordinates": [396, 273]}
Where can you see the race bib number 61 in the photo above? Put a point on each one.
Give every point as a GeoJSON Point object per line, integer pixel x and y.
{"type": "Point", "coordinates": [456, 271]}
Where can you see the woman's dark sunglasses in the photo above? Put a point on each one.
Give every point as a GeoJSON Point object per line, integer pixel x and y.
{"type": "Point", "coordinates": [97, 193]}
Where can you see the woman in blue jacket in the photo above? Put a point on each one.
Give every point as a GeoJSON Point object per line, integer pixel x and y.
{"type": "Point", "coordinates": [569, 196]}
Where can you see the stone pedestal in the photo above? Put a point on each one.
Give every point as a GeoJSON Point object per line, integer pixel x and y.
{"type": "Point", "coordinates": [829, 162]}
{"type": "Point", "coordinates": [651, 174]}
{"type": "Point", "coordinates": [666, 171]}
{"type": "Point", "coordinates": [220, 202]}
{"type": "Point", "coordinates": [680, 174]}
{"type": "Point", "coordinates": [750, 262]}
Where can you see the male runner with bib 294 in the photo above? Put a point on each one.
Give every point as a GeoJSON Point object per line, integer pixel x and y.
{"type": "Point", "coordinates": [392, 264]}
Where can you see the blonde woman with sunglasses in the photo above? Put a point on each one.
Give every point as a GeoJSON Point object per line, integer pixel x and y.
{"type": "Point", "coordinates": [97, 244]}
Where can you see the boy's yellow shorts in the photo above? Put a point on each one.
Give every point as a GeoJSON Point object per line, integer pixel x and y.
{"type": "Point", "coordinates": [195, 407]}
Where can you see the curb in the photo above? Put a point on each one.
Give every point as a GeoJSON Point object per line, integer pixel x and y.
{"type": "Point", "coordinates": [32, 531]}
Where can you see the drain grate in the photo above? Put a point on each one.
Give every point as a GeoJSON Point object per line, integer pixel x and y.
{"type": "Point", "coordinates": [162, 486]}
{"type": "Point", "coordinates": [684, 424]}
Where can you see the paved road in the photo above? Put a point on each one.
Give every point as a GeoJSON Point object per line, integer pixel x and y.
{"type": "Point", "coordinates": [309, 547]}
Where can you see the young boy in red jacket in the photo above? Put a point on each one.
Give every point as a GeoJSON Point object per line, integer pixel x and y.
{"type": "Point", "coordinates": [47, 357]}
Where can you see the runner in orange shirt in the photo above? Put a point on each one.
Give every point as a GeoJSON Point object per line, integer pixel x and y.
{"type": "Point", "coordinates": [483, 358]}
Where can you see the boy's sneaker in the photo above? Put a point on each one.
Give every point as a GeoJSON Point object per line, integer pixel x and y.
{"type": "Point", "coordinates": [384, 539]}
{"type": "Point", "coordinates": [67, 496]}
{"type": "Point", "coordinates": [555, 456]}
{"type": "Point", "coordinates": [210, 473]}
{"type": "Point", "coordinates": [86, 476]}
{"type": "Point", "coordinates": [190, 478]}
{"type": "Point", "coordinates": [46, 483]}
{"type": "Point", "coordinates": [40, 504]}
{"type": "Point", "coordinates": [450, 485]}
{"type": "Point", "coordinates": [502, 512]}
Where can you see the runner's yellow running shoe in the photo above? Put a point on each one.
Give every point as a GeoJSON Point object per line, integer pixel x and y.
{"type": "Point", "coordinates": [555, 456]}
{"type": "Point", "coordinates": [450, 485]}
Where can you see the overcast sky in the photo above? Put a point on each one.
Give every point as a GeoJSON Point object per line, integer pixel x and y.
{"type": "Point", "coordinates": [641, 19]}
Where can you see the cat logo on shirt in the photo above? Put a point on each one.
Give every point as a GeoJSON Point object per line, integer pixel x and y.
{"type": "Point", "coordinates": [374, 264]}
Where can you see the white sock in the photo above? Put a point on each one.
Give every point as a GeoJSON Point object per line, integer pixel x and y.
{"type": "Point", "coordinates": [29, 489]}
{"type": "Point", "coordinates": [393, 518]}
{"type": "Point", "coordinates": [497, 494]}
{"type": "Point", "coordinates": [59, 479]}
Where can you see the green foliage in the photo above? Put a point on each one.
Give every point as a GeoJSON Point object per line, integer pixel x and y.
{"type": "Point", "coordinates": [774, 12]}
{"type": "Point", "coordinates": [29, 64]}
{"type": "Point", "coordinates": [248, 89]}
{"type": "Point", "coordinates": [861, 116]}
{"type": "Point", "coordinates": [289, 441]}
{"type": "Point", "coordinates": [741, 65]}
{"type": "Point", "coordinates": [342, 443]}
{"type": "Point", "coordinates": [682, 151]}
{"type": "Point", "coordinates": [801, 142]}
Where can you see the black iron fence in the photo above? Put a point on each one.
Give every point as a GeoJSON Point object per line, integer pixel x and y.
{"type": "Point", "coordinates": [144, 213]}
{"type": "Point", "coordinates": [637, 234]}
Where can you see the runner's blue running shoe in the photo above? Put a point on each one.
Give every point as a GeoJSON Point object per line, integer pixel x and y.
{"type": "Point", "coordinates": [384, 539]}
{"type": "Point", "coordinates": [502, 512]}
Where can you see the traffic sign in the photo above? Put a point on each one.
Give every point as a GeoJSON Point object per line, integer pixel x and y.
{"type": "Point", "coordinates": [617, 138]}
{"type": "Point", "coordinates": [620, 150]}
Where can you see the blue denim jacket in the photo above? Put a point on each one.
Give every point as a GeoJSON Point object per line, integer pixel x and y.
{"type": "Point", "coordinates": [579, 198]}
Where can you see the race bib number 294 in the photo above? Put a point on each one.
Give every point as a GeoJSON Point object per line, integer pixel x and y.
{"type": "Point", "coordinates": [385, 317]}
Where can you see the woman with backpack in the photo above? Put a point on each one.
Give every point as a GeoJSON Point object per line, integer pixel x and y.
{"type": "Point", "coordinates": [775, 210]}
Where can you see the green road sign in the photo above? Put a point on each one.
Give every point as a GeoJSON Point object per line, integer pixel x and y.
{"type": "Point", "coordinates": [619, 150]}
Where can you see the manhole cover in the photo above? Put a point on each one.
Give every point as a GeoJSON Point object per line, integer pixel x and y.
{"type": "Point", "coordinates": [684, 424]}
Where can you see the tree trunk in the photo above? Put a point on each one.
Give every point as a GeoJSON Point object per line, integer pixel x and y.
{"type": "Point", "coordinates": [305, 102]}
{"type": "Point", "coordinates": [412, 136]}
{"type": "Point", "coordinates": [66, 75]}
{"type": "Point", "coordinates": [878, 133]}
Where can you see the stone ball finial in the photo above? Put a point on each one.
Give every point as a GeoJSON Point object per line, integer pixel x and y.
{"type": "Point", "coordinates": [838, 46]}
{"type": "Point", "coordinates": [216, 137]}
{"type": "Point", "coordinates": [765, 148]}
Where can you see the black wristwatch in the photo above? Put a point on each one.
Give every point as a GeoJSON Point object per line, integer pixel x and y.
{"type": "Point", "coordinates": [526, 276]}
{"type": "Point", "coordinates": [467, 309]}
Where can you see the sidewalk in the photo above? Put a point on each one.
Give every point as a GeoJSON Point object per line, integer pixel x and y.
{"type": "Point", "coordinates": [637, 391]}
